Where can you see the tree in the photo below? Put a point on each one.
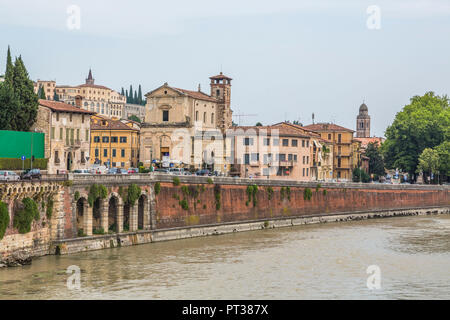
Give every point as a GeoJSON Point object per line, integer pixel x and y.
{"type": "Point", "coordinates": [134, 118]}
{"type": "Point", "coordinates": [130, 98]}
{"type": "Point", "coordinates": [443, 151]}
{"type": "Point", "coordinates": [9, 68]}
{"type": "Point", "coordinates": [55, 96]}
{"type": "Point", "coordinates": [424, 123]}
{"type": "Point", "coordinates": [428, 161]}
{"type": "Point", "coordinates": [41, 93]}
{"type": "Point", "coordinates": [28, 100]}
{"type": "Point", "coordinates": [259, 124]}
{"type": "Point", "coordinates": [122, 92]}
{"type": "Point", "coordinates": [139, 96]}
{"type": "Point", "coordinates": [360, 175]}
{"type": "Point", "coordinates": [376, 162]}
{"type": "Point", "coordinates": [135, 98]}
{"type": "Point", "coordinates": [126, 96]}
{"type": "Point", "coordinates": [8, 106]}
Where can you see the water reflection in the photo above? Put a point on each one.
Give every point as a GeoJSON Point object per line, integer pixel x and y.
{"type": "Point", "coordinates": [326, 261]}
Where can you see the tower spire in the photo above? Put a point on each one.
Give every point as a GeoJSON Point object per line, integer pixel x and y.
{"type": "Point", "coordinates": [90, 79]}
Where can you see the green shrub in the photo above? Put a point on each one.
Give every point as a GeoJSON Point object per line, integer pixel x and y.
{"type": "Point", "coordinates": [50, 204]}
{"type": "Point", "coordinates": [325, 192]}
{"type": "Point", "coordinates": [4, 218]}
{"type": "Point", "coordinates": [285, 192]}
{"type": "Point", "coordinates": [97, 191]}
{"type": "Point", "coordinates": [76, 196]}
{"type": "Point", "coordinates": [16, 164]}
{"type": "Point", "coordinates": [288, 193]}
{"type": "Point", "coordinates": [184, 204]}
{"type": "Point", "coordinates": [176, 181]}
{"type": "Point", "coordinates": [307, 194]}
{"type": "Point", "coordinates": [251, 193]}
{"type": "Point", "coordinates": [210, 181]}
{"type": "Point", "coordinates": [318, 187]}
{"type": "Point", "coordinates": [81, 233]}
{"type": "Point", "coordinates": [98, 231]}
{"type": "Point", "coordinates": [134, 192]}
{"type": "Point", "coordinates": [157, 188]}
{"type": "Point", "coordinates": [67, 183]}
{"type": "Point", "coordinates": [175, 196]}
{"type": "Point", "coordinates": [24, 217]}
{"type": "Point", "coordinates": [185, 190]}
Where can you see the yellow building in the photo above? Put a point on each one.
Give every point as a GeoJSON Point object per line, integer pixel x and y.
{"type": "Point", "coordinates": [345, 149]}
{"type": "Point", "coordinates": [114, 143]}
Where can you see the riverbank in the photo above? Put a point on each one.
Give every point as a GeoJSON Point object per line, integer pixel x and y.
{"type": "Point", "coordinates": [83, 244]}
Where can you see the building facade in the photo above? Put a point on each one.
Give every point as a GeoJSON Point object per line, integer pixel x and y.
{"type": "Point", "coordinates": [47, 86]}
{"type": "Point", "coordinates": [113, 143]}
{"type": "Point", "coordinates": [67, 135]}
{"type": "Point", "coordinates": [133, 110]}
{"type": "Point", "coordinates": [180, 124]}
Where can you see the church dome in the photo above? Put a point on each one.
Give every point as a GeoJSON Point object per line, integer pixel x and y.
{"type": "Point", "coordinates": [363, 108]}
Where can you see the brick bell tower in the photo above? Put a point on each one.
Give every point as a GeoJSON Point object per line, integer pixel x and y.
{"type": "Point", "coordinates": [221, 90]}
{"type": "Point", "coordinates": [363, 122]}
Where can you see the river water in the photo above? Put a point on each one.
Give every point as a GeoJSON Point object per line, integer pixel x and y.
{"type": "Point", "coordinates": [326, 261]}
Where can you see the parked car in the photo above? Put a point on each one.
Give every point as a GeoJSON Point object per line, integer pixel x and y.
{"type": "Point", "coordinates": [161, 170]}
{"type": "Point", "coordinates": [9, 176]}
{"type": "Point", "coordinates": [122, 171]}
{"type": "Point", "coordinates": [203, 172]}
{"type": "Point", "coordinates": [81, 171]}
{"type": "Point", "coordinates": [31, 174]}
{"type": "Point", "coordinates": [113, 171]}
{"type": "Point", "coordinates": [176, 171]}
{"type": "Point", "coordinates": [133, 170]}
{"type": "Point", "coordinates": [98, 169]}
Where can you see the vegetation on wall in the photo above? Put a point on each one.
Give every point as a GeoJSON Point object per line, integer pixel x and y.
{"type": "Point", "coordinates": [76, 196]}
{"type": "Point", "coordinates": [269, 193]}
{"type": "Point", "coordinates": [184, 204]}
{"type": "Point", "coordinates": [217, 196]}
{"type": "Point", "coordinates": [157, 188]}
{"type": "Point", "coordinates": [307, 194]}
{"type": "Point", "coordinates": [134, 192]}
{"type": "Point", "coordinates": [285, 192]}
{"type": "Point", "coordinates": [4, 218]}
{"type": "Point", "coordinates": [97, 191]}
{"type": "Point", "coordinates": [50, 204]}
{"type": "Point", "coordinates": [176, 181]}
{"type": "Point", "coordinates": [325, 192]}
{"type": "Point", "coordinates": [24, 217]}
{"type": "Point", "coordinates": [251, 193]}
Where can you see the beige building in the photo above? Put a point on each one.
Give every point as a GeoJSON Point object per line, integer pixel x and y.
{"type": "Point", "coordinates": [180, 125]}
{"type": "Point", "coordinates": [47, 86]}
{"type": "Point", "coordinates": [67, 133]}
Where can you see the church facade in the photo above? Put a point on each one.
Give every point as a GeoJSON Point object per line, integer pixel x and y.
{"type": "Point", "coordinates": [186, 128]}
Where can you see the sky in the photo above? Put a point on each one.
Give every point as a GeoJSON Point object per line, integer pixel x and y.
{"type": "Point", "coordinates": [288, 58]}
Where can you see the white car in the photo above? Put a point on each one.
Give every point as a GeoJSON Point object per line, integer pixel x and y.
{"type": "Point", "coordinates": [98, 169]}
{"type": "Point", "coordinates": [9, 176]}
{"type": "Point", "coordinates": [81, 171]}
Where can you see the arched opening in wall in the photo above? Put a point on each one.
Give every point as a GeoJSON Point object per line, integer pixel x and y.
{"type": "Point", "coordinates": [96, 217]}
{"type": "Point", "coordinates": [126, 217]}
{"type": "Point", "coordinates": [81, 205]}
{"type": "Point", "coordinates": [142, 208]}
{"type": "Point", "coordinates": [112, 214]}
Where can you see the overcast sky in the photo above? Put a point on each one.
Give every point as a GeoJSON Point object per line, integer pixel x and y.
{"type": "Point", "coordinates": [287, 59]}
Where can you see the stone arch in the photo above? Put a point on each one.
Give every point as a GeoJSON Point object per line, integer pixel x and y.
{"type": "Point", "coordinates": [82, 216]}
{"type": "Point", "coordinates": [115, 213]}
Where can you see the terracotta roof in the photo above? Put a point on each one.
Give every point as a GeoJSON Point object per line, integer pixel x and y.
{"type": "Point", "coordinates": [326, 127]}
{"type": "Point", "coordinates": [220, 76]}
{"type": "Point", "coordinates": [299, 128]}
{"type": "Point", "coordinates": [196, 94]}
{"type": "Point", "coordinates": [96, 86]}
{"type": "Point", "coordinates": [281, 131]}
{"type": "Point", "coordinates": [366, 141]}
{"type": "Point", "coordinates": [96, 124]}
{"type": "Point", "coordinates": [62, 107]}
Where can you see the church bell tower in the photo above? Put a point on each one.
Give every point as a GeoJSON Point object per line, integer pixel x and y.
{"type": "Point", "coordinates": [221, 90]}
{"type": "Point", "coordinates": [363, 122]}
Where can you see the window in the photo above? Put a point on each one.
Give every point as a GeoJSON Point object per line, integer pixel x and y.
{"type": "Point", "coordinates": [105, 139]}
{"type": "Point", "coordinates": [295, 158]}
{"type": "Point", "coordinates": [123, 139]}
{"type": "Point", "coordinates": [329, 136]}
{"type": "Point", "coordinates": [248, 141]}
{"type": "Point", "coordinates": [56, 157]}
{"type": "Point", "coordinates": [290, 157]}
{"type": "Point", "coordinates": [96, 153]}
{"type": "Point", "coordinates": [83, 159]}
{"type": "Point", "coordinates": [57, 116]}
{"type": "Point", "coordinates": [266, 142]}
{"type": "Point", "coordinates": [114, 153]}
{"type": "Point", "coordinates": [282, 157]}
{"type": "Point", "coordinates": [217, 92]}
{"type": "Point", "coordinates": [303, 171]}
{"type": "Point", "coordinates": [303, 143]}
{"type": "Point", "coordinates": [61, 133]}
{"type": "Point", "coordinates": [276, 142]}
{"type": "Point", "coordinates": [285, 142]}
{"type": "Point", "coordinates": [53, 133]}
{"type": "Point", "coordinates": [255, 157]}
{"type": "Point", "coordinates": [204, 117]}
{"type": "Point", "coordinates": [304, 159]}
{"type": "Point", "coordinates": [122, 153]}
{"type": "Point", "coordinates": [307, 159]}
{"type": "Point", "coordinates": [339, 162]}
{"type": "Point", "coordinates": [196, 115]}
{"type": "Point", "coordinates": [294, 142]}
{"type": "Point", "coordinates": [339, 138]}
{"type": "Point", "coordinates": [132, 153]}
{"type": "Point", "coordinates": [82, 118]}
{"type": "Point", "coordinates": [246, 158]}
{"type": "Point", "coordinates": [114, 139]}
{"type": "Point", "coordinates": [212, 118]}
{"type": "Point", "coordinates": [307, 171]}
{"type": "Point", "coordinates": [307, 143]}
{"type": "Point", "coordinates": [165, 115]}
{"type": "Point", "coordinates": [87, 135]}
{"type": "Point", "coordinates": [267, 158]}
{"type": "Point", "coordinates": [105, 152]}
{"type": "Point", "coordinates": [96, 139]}
{"type": "Point", "coordinates": [78, 134]}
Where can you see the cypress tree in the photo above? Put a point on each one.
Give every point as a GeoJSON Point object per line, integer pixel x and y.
{"type": "Point", "coordinates": [55, 96]}
{"type": "Point", "coordinates": [135, 98]}
{"type": "Point", "coordinates": [131, 94]}
{"type": "Point", "coordinates": [126, 95]}
{"type": "Point", "coordinates": [139, 96]}
{"type": "Point", "coordinates": [8, 107]}
{"type": "Point", "coordinates": [122, 93]}
{"type": "Point", "coordinates": [41, 93]}
{"type": "Point", "coordinates": [9, 68]}
{"type": "Point", "coordinates": [24, 92]}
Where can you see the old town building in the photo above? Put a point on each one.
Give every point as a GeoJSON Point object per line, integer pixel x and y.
{"type": "Point", "coordinates": [345, 150]}
{"type": "Point", "coordinates": [131, 109]}
{"type": "Point", "coordinates": [67, 132]}
{"type": "Point", "coordinates": [177, 121]}
{"type": "Point", "coordinates": [47, 86]}
{"type": "Point", "coordinates": [114, 143]}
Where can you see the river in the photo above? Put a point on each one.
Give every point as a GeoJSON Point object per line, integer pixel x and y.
{"type": "Point", "coordinates": [326, 261]}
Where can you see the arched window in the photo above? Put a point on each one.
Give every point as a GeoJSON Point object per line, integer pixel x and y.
{"type": "Point", "coordinates": [212, 118]}
{"type": "Point", "coordinates": [196, 115]}
{"type": "Point", "coordinates": [204, 117]}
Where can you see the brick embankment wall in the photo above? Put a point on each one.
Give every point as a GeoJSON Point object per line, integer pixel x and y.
{"type": "Point", "coordinates": [236, 205]}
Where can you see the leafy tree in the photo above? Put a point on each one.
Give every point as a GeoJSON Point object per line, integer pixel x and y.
{"type": "Point", "coordinates": [376, 162]}
{"type": "Point", "coordinates": [443, 151]}
{"type": "Point", "coordinates": [428, 161]}
{"type": "Point", "coordinates": [259, 124]}
{"type": "Point", "coordinates": [424, 123]}
{"type": "Point", "coordinates": [41, 93]}
{"type": "Point", "coordinates": [134, 118]}
{"type": "Point", "coordinates": [360, 175]}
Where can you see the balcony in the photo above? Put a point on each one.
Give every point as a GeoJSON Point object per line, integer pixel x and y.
{"type": "Point", "coordinates": [286, 163]}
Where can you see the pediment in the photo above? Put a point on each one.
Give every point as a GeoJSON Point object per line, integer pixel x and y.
{"type": "Point", "coordinates": [164, 91]}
